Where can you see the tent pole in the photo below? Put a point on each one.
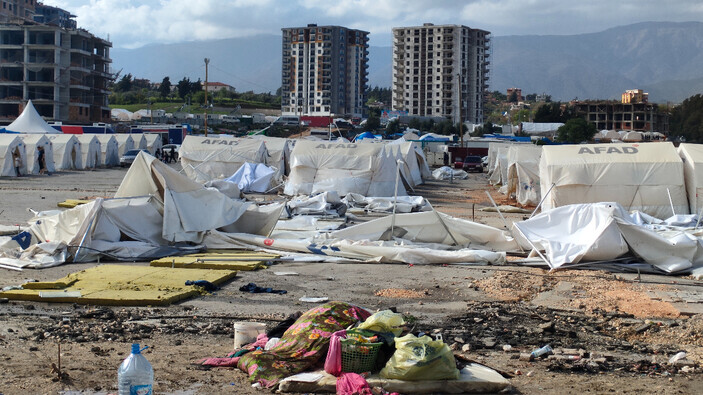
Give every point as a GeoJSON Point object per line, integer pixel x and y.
{"type": "Point", "coordinates": [395, 195]}
{"type": "Point", "coordinates": [505, 223]}
{"type": "Point", "coordinates": [671, 203]}
{"type": "Point", "coordinates": [542, 200]}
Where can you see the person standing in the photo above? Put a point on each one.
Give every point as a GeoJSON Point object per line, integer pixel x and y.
{"type": "Point", "coordinates": [173, 154]}
{"type": "Point", "coordinates": [42, 160]}
{"type": "Point", "coordinates": [157, 154]}
{"type": "Point", "coordinates": [17, 162]}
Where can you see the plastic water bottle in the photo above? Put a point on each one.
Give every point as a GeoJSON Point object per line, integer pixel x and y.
{"type": "Point", "coordinates": [135, 376]}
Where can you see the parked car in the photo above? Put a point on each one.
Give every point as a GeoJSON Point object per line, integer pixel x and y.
{"type": "Point", "coordinates": [473, 163]}
{"type": "Point", "coordinates": [129, 156]}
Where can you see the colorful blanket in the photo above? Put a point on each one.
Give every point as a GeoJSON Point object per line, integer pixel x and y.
{"type": "Point", "coordinates": [302, 345]}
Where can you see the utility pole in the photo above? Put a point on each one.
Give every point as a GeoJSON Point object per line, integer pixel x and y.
{"type": "Point", "coordinates": [461, 122]}
{"type": "Point", "coordinates": [207, 61]}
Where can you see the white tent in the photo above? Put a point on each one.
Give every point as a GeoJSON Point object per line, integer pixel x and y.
{"type": "Point", "coordinates": [278, 150]}
{"type": "Point", "coordinates": [67, 151]}
{"type": "Point", "coordinates": [638, 176]}
{"type": "Point", "coordinates": [109, 149]}
{"type": "Point", "coordinates": [632, 137]}
{"type": "Point", "coordinates": [125, 142]}
{"type": "Point", "coordinates": [498, 163]}
{"type": "Point", "coordinates": [366, 169]}
{"type": "Point", "coordinates": [90, 151]}
{"type": "Point", "coordinates": [523, 173]}
{"type": "Point", "coordinates": [11, 145]}
{"type": "Point", "coordinates": [31, 122]}
{"type": "Point", "coordinates": [121, 114]}
{"type": "Point", "coordinates": [541, 128]}
{"type": "Point", "coordinates": [32, 142]}
{"type": "Point", "coordinates": [153, 142]}
{"type": "Point", "coordinates": [208, 158]}
{"type": "Point", "coordinates": [414, 163]}
{"type": "Point", "coordinates": [610, 134]}
{"type": "Point", "coordinates": [140, 141]}
{"type": "Point", "coordinates": [410, 136]}
{"type": "Point", "coordinates": [692, 155]}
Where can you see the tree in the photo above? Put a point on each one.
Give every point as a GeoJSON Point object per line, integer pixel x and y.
{"type": "Point", "coordinates": [575, 131]}
{"type": "Point", "coordinates": [553, 112]}
{"type": "Point", "coordinates": [373, 122]}
{"type": "Point", "coordinates": [165, 87]}
{"type": "Point", "coordinates": [687, 119]}
{"type": "Point", "coordinates": [393, 127]}
{"type": "Point", "coordinates": [415, 123]}
{"type": "Point", "coordinates": [513, 97]}
{"type": "Point", "coordinates": [124, 84]}
{"type": "Point", "coordinates": [183, 87]}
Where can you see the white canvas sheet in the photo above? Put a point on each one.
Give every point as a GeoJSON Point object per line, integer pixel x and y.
{"type": "Point", "coordinates": [90, 151]}
{"type": "Point", "coordinates": [10, 143]}
{"type": "Point", "coordinates": [67, 151]}
{"type": "Point", "coordinates": [448, 173]}
{"type": "Point", "coordinates": [637, 176]}
{"type": "Point", "coordinates": [366, 169]}
{"type": "Point", "coordinates": [32, 141]}
{"type": "Point", "coordinates": [253, 177]}
{"type": "Point", "coordinates": [278, 150]}
{"type": "Point", "coordinates": [109, 150]}
{"type": "Point", "coordinates": [209, 158]}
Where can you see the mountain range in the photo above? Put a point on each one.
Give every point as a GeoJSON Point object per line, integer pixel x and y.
{"type": "Point", "coordinates": [662, 58]}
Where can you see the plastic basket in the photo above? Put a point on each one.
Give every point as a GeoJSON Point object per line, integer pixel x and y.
{"type": "Point", "coordinates": [358, 357]}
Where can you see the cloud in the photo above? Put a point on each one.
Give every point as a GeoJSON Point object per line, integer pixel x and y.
{"type": "Point", "coordinates": [133, 23]}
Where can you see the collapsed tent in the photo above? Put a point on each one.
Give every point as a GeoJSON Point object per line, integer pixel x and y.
{"type": "Point", "coordinates": [156, 212]}
{"type": "Point", "coordinates": [523, 173]}
{"type": "Point", "coordinates": [125, 142]}
{"type": "Point", "coordinates": [253, 177]}
{"type": "Point", "coordinates": [32, 143]}
{"type": "Point", "coordinates": [30, 122]}
{"type": "Point", "coordinates": [646, 177]}
{"type": "Point", "coordinates": [153, 142]}
{"type": "Point", "coordinates": [207, 158]}
{"type": "Point", "coordinates": [366, 169]}
{"type": "Point", "coordinates": [10, 147]}
{"type": "Point", "coordinates": [67, 151]}
{"type": "Point", "coordinates": [109, 149]}
{"type": "Point", "coordinates": [603, 232]}
{"type": "Point", "coordinates": [447, 173]}
{"type": "Point", "coordinates": [278, 150]}
{"type": "Point", "coordinates": [414, 167]}
{"type": "Point", "coordinates": [90, 151]}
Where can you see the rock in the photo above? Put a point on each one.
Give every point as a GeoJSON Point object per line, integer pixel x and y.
{"type": "Point", "coordinates": [489, 342]}
{"type": "Point", "coordinates": [33, 348]}
{"type": "Point", "coordinates": [684, 363]}
{"type": "Point", "coordinates": [547, 326]}
{"type": "Point", "coordinates": [526, 357]}
{"type": "Point", "coordinates": [459, 340]}
{"type": "Point", "coordinates": [642, 328]}
{"type": "Point", "coordinates": [455, 346]}
{"type": "Point", "coordinates": [466, 348]}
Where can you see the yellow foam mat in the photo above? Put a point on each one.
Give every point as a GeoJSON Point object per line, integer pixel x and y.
{"type": "Point", "coordinates": [121, 285]}
{"type": "Point", "coordinates": [221, 259]}
{"type": "Point", "coordinates": [71, 203]}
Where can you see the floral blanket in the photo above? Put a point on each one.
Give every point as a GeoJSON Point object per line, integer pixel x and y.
{"type": "Point", "coordinates": [302, 345]}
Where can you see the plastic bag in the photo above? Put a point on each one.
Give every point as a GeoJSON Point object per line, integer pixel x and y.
{"type": "Point", "coordinates": [384, 321]}
{"type": "Point", "coordinates": [420, 359]}
{"type": "Point", "coordinates": [333, 363]}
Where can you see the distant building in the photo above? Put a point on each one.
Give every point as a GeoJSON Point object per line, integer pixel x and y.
{"type": "Point", "coordinates": [64, 71]}
{"type": "Point", "coordinates": [218, 86]}
{"type": "Point", "coordinates": [441, 71]}
{"type": "Point", "coordinates": [635, 96]}
{"type": "Point", "coordinates": [14, 11]}
{"type": "Point", "coordinates": [611, 115]}
{"type": "Point", "coordinates": [518, 93]}
{"type": "Point", "coordinates": [324, 71]}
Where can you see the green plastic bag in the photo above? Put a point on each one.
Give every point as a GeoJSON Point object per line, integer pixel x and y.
{"type": "Point", "coordinates": [384, 321]}
{"type": "Point", "coordinates": [420, 358]}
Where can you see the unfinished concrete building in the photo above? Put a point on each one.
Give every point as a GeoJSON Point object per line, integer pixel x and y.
{"type": "Point", "coordinates": [65, 72]}
{"type": "Point", "coordinates": [610, 115]}
{"type": "Point", "coordinates": [441, 71]}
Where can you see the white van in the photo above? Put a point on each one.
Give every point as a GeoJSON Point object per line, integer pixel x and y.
{"type": "Point", "coordinates": [287, 120]}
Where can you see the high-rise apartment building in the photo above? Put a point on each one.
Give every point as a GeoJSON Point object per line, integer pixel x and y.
{"type": "Point", "coordinates": [64, 71]}
{"type": "Point", "coordinates": [438, 70]}
{"type": "Point", "coordinates": [324, 71]}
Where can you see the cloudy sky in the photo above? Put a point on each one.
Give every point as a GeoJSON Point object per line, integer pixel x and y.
{"type": "Point", "coordinates": [134, 23]}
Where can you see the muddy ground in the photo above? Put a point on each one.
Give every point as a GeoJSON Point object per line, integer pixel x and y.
{"type": "Point", "coordinates": [623, 328]}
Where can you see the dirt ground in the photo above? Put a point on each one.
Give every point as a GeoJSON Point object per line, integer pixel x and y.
{"type": "Point", "coordinates": [625, 328]}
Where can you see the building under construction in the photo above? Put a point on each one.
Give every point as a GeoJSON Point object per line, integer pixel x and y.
{"type": "Point", "coordinates": [613, 115]}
